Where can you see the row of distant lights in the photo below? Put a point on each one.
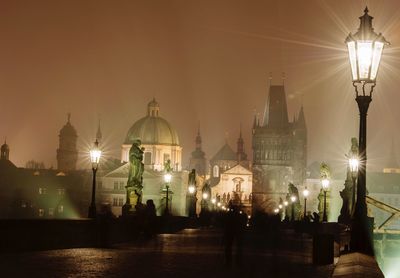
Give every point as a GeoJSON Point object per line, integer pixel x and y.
{"type": "Point", "coordinates": [286, 203]}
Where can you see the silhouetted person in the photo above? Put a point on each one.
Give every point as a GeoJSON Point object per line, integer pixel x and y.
{"type": "Point", "coordinates": [234, 226]}
{"type": "Point", "coordinates": [150, 218]}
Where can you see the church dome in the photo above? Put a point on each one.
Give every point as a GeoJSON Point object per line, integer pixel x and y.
{"type": "Point", "coordinates": [68, 129]}
{"type": "Point", "coordinates": [153, 129]}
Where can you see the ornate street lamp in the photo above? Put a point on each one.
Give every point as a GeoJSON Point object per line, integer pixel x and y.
{"type": "Point", "coordinates": [293, 199]}
{"type": "Point", "coordinates": [325, 185]}
{"type": "Point", "coordinates": [167, 180]}
{"type": "Point", "coordinates": [95, 154]}
{"type": "Point", "coordinates": [286, 203]}
{"type": "Point", "coordinates": [353, 166]}
{"type": "Point", "coordinates": [365, 49]}
{"type": "Point", "coordinates": [305, 195]}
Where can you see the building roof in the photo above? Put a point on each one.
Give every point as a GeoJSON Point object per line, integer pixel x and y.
{"type": "Point", "coordinates": [276, 115]}
{"type": "Point", "coordinates": [238, 170]}
{"type": "Point", "coordinates": [225, 153]}
{"type": "Point", "coordinates": [152, 129]}
{"type": "Point", "coordinates": [68, 129]}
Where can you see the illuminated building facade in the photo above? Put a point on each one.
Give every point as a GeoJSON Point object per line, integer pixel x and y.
{"type": "Point", "coordinates": [279, 151]}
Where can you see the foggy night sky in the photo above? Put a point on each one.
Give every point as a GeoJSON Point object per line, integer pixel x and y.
{"type": "Point", "coordinates": [204, 61]}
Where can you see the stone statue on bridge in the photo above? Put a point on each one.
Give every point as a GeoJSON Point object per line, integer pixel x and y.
{"type": "Point", "coordinates": [134, 185]}
{"type": "Point", "coordinates": [348, 193]}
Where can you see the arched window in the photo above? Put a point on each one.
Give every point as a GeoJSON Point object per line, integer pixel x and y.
{"type": "Point", "coordinates": [215, 171]}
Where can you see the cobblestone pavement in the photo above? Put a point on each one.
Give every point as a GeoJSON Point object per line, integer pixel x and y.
{"type": "Point", "coordinates": [191, 253]}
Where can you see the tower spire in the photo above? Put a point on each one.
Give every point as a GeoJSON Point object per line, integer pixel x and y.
{"type": "Point", "coordinates": [198, 138]}
{"type": "Point", "coordinates": [99, 135]}
{"type": "Point", "coordinates": [5, 151]}
{"type": "Point", "coordinates": [241, 155]}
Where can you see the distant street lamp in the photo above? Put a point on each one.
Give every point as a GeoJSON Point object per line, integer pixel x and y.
{"type": "Point", "coordinates": [286, 203]}
{"type": "Point", "coordinates": [293, 199]}
{"type": "Point", "coordinates": [167, 180]}
{"type": "Point", "coordinates": [305, 194]}
{"type": "Point", "coordinates": [365, 49]}
{"type": "Point", "coordinates": [325, 185]}
{"type": "Point", "coordinates": [95, 154]}
{"type": "Point", "coordinates": [192, 200]}
{"type": "Point", "coordinates": [353, 166]}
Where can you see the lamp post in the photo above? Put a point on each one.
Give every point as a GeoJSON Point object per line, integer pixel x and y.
{"type": "Point", "coordinates": [325, 185]}
{"type": "Point", "coordinates": [192, 197]}
{"type": "Point", "coordinates": [353, 166]}
{"type": "Point", "coordinates": [286, 203]}
{"type": "Point", "coordinates": [95, 154]}
{"type": "Point", "coordinates": [305, 194]}
{"type": "Point", "coordinates": [293, 199]}
{"type": "Point", "coordinates": [365, 49]}
{"type": "Point", "coordinates": [167, 179]}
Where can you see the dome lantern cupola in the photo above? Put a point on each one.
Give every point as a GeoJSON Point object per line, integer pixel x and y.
{"type": "Point", "coordinates": [153, 108]}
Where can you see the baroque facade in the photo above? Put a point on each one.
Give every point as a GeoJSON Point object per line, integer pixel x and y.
{"type": "Point", "coordinates": [279, 151]}
{"type": "Point", "coordinates": [158, 138]}
{"type": "Point", "coordinates": [161, 143]}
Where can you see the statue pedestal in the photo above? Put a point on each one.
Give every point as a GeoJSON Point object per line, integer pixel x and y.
{"type": "Point", "coordinates": [126, 210]}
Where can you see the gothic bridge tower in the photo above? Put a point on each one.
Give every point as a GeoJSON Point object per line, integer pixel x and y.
{"type": "Point", "coordinates": [279, 152]}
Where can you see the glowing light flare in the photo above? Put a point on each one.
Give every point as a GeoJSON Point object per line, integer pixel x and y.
{"type": "Point", "coordinates": [280, 206]}
{"type": "Point", "coordinates": [213, 201]}
{"type": "Point", "coordinates": [95, 154]}
{"type": "Point", "coordinates": [351, 46]}
{"type": "Point", "coordinates": [325, 184]}
{"type": "Point", "coordinates": [167, 177]}
{"type": "Point", "coordinates": [364, 56]}
{"type": "Point", "coordinates": [286, 203]}
{"type": "Point", "coordinates": [293, 198]}
{"type": "Point", "coordinates": [353, 164]}
{"type": "Point", "coordinates": [205, 195]}
{"type": "Point", "coordinates": [376, 58]}
{"type": "Point", "coordinates": [306, 192]}
{"type": "Point", "coordinates": [191, 189]}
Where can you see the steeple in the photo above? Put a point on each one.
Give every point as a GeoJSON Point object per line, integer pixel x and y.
{"type": "Point", "coordinates": [241, 155]}
{"type": "Point", "coordinates": [276, 115]}
{"type": "Point", "coordinates": [301, 121]}
{"type": "Point", "coordinates": [99, 136]}
{"type": "Point", "coordinates": [198, 139]}
{"type": "Point", "coordinates": [198, 160]}
{"type": "Point", "coordinates": [5, 151]}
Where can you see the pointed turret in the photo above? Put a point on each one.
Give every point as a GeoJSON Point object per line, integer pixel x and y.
{"type": "Point", "coordinates": [241, 155]}
{"type": "Point", "coordinates": [99, 135]}
{"type": "Point", "coordinates": [198, 160]}
{"type": "Point", "coordinates": [198, 139]}
{"type": "Point", "coordinates": [5, 151]}
{"type": "Point", "coordinates": [276, 115]}
{"type": "Point", "coordinates": [301, 121]}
